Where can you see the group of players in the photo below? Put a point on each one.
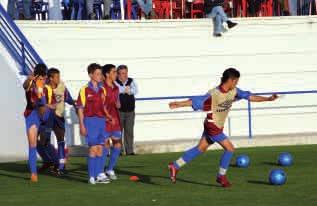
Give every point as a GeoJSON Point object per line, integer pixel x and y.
{"type": "Point", "coordinates": [97, 108]}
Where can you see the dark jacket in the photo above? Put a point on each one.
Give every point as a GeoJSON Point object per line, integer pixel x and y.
{"type": "Point", "coordinates": [210, 4]}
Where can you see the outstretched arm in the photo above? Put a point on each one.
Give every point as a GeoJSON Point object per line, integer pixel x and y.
{"type": "Point", "coordinates": [178, 104]}
{"type": "Point", "coordinates": [255, 98]}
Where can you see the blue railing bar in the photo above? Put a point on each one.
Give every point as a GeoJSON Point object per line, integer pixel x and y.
{"type": "Point", "coordinates": [9, 46]}
{"type": "Point", "coordinates": [8, 34]}
{"type": "Point", "coordinates": [234, 110]}
{"type": "Point", "coordinates": [8, 26]}
{"type": "Point", "coordinates": [20, 35]}
{"type": "Point", "coordinates": [259, 93]}
{"type": "Point", "coordinates": [250, 119]}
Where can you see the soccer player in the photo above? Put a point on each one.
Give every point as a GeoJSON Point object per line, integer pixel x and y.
{"type": "Point", "coordinates": [56, 94]}
{"type": "Point", "coordinates": [92, 122]}
{"type": "Point", "coordinates": [219, 101]}
{"type": "Point", "coordinates": [34, 112]}
{"type": "Point", "coordinates": [113, 128]}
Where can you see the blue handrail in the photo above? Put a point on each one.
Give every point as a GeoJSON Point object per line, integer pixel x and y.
{"type": "Point", "coordinates": [17, 44]}
{"type": "Point", "coordinates": [249, 102]}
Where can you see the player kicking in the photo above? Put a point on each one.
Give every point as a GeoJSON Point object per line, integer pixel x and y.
{"type": "Point", "coordinates": [113, 128]}
{"type": "Point", "coordinates": [56, 94]}
{"type": "Point", "coordinates": [92, 122]}
{"type": "Point", "coordinates": [34, 112]}
{"type": "Point", "coordinates": [219, 101]}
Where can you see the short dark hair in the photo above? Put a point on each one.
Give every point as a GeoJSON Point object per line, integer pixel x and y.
{"type": "Point", "coordinates": [122, 66]}
{"type": "Point", "coordinates": [93, 67]}
{"type": "Point", "coordinates": [107, 68]}
{"type": "Point", "coordinates": [230, 73]}
{"type": "Point", "coordinates": [40, 70]}
{"type": "Point", "coordinates": [52, 71]}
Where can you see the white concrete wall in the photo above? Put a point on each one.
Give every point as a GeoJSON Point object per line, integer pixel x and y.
{"type": "Point", "coordinates": [182, 58]}
{"type": "Point", "coordinates": [13, 137]}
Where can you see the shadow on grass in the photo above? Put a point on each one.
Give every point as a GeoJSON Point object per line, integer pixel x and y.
{"type": "Point", "coordinates": [258, 182]}
{"type": "Point", "coordinates": [22, 168]}
{"type": "Point", "coordinates": [270, 163]}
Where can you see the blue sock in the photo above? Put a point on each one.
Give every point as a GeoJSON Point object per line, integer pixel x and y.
{"type": "Point", "coordinates": [91, 166]}
{"type": "Point", "coordinates": [61, 155]}
{"type": "Point", "coordinates": [105, 152]}
{"type": "Point", "coordinates": [32, 160]}
{"type": "Point", "coordinates": [115, 153]}
{"type": "Point", "coordinates": [41, 150]}
{"type": "Point", "coordinates": [224, 162]}
{"type": "Point", "coordinates": [52, 153]}
{"type": "Point", "coordinates": [188, 156]}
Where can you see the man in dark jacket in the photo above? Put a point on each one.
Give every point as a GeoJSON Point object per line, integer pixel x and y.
{"type": "Point", "coordinates": [127, 92]}
{"type": "Point", "coordinates": [214, 10]}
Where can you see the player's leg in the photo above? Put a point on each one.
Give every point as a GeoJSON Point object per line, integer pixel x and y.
{"type": "Point", "coordinates": [32, 124]}
{"type": "Point", "coordinates": [114, 154]}
{"type": "Point", "coordinates": [43, 152]}
{"type": "Point", "coordinates": [225, 159]}
{"type": "Point", "coordinates": [104, 151]}
{"type": "Point", "coordinates": [188, 156]}
{"type": "Point", "coordinates": [59, 130]}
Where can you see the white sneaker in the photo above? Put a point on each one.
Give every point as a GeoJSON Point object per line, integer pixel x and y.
{"type": "Point", "coordinates": [111, 175]}
{"type": "Point", "coordinates": [102, 179]}
{"type": "Point", "coordinates": [92, 181]}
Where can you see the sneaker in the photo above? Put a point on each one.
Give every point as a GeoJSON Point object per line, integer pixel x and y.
{"type": "Point", "coordinates": [34, 178]}
{"type": "Point", "coordinates": [222, 179]}
{"type": "Point", "coordinates": [45, 166]}
{"type": "Point", "coordinates": [92, 181]}
{"type": "Point", "coordinates": [173, 172]}
{"type": "Point", "coordinates": [218, 35]}
{"type": "Point", "coordinates": [102, 179]}
{"type": "Point", "coordinates": [231, 24]}
{"type": "Point", "coordinates": [111, 175]}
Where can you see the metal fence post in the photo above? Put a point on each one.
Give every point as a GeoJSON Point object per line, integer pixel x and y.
{"type": "Point", "coordinates": [250, 119]}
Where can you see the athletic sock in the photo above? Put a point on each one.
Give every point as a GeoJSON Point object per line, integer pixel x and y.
{"type": "Point", "coordinates": [51, 151]}
{"type": "Point", "coordinates": [224, 162]}
{"type": "Point", "coordinates": [61, 154]}
{"type": "Point", "coordinates": [187, 157]}
{"type": "Point", "coordinates": [105, 152]}
{"type": "Point", "coordinates": [115, 153]}
{"type": "Point", "coordinates": [41, 150]}
{"type": "Point", "coordinates": [32, 160]}
{"type": "Point", "coordinates": [91, 166]}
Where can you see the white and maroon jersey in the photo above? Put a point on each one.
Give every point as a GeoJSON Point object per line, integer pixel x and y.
{"type": "Point", "coordinates": [218, 102]}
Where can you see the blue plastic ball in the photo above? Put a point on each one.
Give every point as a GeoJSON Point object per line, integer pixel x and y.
{"type": "Point", "coordinates": [277, 177]}
{"type": "Point", "coordinates": [242, 161]}
{"type": "Point", "coordinates": [285, 159]}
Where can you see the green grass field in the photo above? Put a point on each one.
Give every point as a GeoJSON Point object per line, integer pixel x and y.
{"type": "Point", "coordinates": [195, 187]}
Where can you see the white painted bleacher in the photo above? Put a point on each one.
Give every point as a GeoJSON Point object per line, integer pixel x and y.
{"type": "Point", "coordinates": [181, 57]}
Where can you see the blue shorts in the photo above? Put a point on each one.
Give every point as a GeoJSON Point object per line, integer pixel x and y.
{"type": "Point", "coordinates": [95, 127]}
{"type": "Point", "coordinates": [214, 138]}
{"type": "Point", "coordinates": [32, 119]}
{"type": "Point", "coordinates": [114, 134]}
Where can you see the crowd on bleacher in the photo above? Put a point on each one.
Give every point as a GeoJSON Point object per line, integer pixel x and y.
{"type": "Point", "coordinates": [151, 9]}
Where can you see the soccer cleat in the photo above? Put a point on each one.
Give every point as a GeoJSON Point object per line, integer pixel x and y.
{"type": "Point", "coordinates": [231, 24]}
{"type": "Point", "coordinates": [218, 35]}
{"type": "Point", "coordinates": [102, 179]}
{"type": "Point", "coordinates": [173, 172]}
{"type": "Point", "coordinates": [34, 178]}
{"type": "Point", "coordinates": [111, 175]}
{"type": "Point", "coordinates": [45, 166]}
{"type": "Point", "coordinates": [92, 181]}
{"type": "Point", "coordinates": [222, 179]}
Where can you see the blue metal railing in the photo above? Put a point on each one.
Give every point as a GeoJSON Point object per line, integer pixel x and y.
{"type": "Point", "coordinates": [249, 109]}
{"type": "Point", "coordinates": [17, 45]}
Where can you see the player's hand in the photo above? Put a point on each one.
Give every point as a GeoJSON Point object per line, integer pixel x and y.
{"type": "Point", "coordinates": [83, 131]}
{"type": "Point", "coordinates": [173, 105]}
{"type": "Point", "coordinates": [51, 106]}
{"type": "Point", "coordinates": [127, 90]}
{"type": "Point", "coordinates": [273, 97]}
{"type": "Point", "coordinates": [118, 104]}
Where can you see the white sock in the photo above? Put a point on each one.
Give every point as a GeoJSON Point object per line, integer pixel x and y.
{"type": "Point", "coordinates": [222, 171]}
{"type": "Point", "coordinates": [180, 162]}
